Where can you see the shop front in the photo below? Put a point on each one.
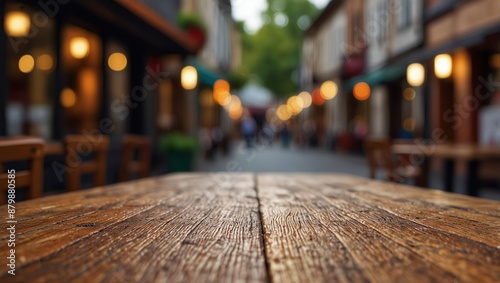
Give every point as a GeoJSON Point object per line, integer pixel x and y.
{"type": "Point", "coordinates": [70, 67]}
{"type": "Point", "coordinates": [87, 67]}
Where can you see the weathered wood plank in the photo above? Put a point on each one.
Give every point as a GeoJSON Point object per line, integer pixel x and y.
{"type": "Point", "coordinates": [320, 229]}
{"type": "Point", "coordinates": [395, 191]}
{"type": "Point", "coordinates": [184, 228]}
{"type": "Point", "coordinates": [49, 224]}
{"type": "Point", "coordinates": [427, 211]}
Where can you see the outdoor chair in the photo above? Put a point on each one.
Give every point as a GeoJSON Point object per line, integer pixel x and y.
{"type": "Point", "coordinates": [22, 149]}
{"type": "Point", "coordinates": [78, 146]}
{"type": "Point", "coordinates": [132, 144]}
{"type": "Point", "coordinates": [379, 156]}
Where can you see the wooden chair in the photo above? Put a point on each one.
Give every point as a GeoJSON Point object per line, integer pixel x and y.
{"type": "Point", "coordinates": [379, 155]}
{"type": "Point", "coordinates": [141, 166]}
{"type": "Point", "coordinates": [85, 145]}
{"type": "Point", "coordinates": [23, 149]}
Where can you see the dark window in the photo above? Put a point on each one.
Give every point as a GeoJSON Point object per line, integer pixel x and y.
{"type": "Point", "coordinates": [30, 71]}
{"type": "Point", "coordinates": [405, 14]}
{"type": "Point", "coordinates": [81, 94]}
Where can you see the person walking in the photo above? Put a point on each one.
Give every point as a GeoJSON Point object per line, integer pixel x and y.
{"type": "Point", "coordinates": [248, 127]}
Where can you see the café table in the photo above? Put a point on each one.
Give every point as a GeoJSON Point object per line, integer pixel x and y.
{"type": "Point", "coordinates": [242, 227]}
{"type": "Point", "coordinates": [472, 154]}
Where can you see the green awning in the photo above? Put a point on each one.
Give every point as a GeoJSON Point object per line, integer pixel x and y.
{"type": "Point", "coordinates": [205, 76]}
{"type": "Point", "coordinates": [377, 77]}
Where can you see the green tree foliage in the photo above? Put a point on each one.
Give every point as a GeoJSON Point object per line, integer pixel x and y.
{"type": "Point", "coordinates": [272, 54]}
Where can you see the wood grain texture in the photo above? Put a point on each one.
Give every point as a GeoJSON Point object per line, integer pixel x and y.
{"type": "Point", "coordinates": [317, 228]}
{"type": "Point", "coordinates": [180, 228]}
{"type": "Point", "coordinates": [337, 228]}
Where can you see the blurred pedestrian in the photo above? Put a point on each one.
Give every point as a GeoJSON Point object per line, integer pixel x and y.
{"type": "Point", "coordinates": [285, 135]}
{"type": "Point", "coordinates": [268, 133]}
{"type": "Point", "coordinates": [217, 135]}
{"type": "Point", "coordinates": [248, 128]}
{"type": "Point", "coordinates": [360, 133]}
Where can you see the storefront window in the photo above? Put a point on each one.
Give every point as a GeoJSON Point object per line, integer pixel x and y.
{"type": "Point", "coordinates": [81, 94]}
{"type": "Point", "coordinates": [30, 71]}
{"type": "Point", "coordinates": [118, 75]}
{"type": "Point", "coordinates": [208, 109]}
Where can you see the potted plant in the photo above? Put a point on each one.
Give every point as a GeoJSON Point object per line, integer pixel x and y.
{"type": "Point", "coordinates": [194, 26]}
{"type": "Point", "coordinates": [179, 150]}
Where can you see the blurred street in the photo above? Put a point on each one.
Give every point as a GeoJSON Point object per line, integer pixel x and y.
{"type": "Point", "coordinates": [275, 158]}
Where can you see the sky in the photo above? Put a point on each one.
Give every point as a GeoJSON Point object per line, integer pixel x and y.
{"type": "Point", "coordinates": [250, 11]}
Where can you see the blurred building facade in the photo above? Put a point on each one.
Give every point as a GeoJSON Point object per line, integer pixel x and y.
{"type": "Point", "coordinates": [378, 49]}
{"type": "Point", "coordinates": [70, 67]}
{"type": "Point", "coordinates": [220, 55]}
{"type": "Point", "coordinates": [323, 56]}
{"type": "Point", "coordinates": [48, 91]}
{"type": "Point", "coordinates": [469, 31]}
{"type": "Point", "coordinates": [87, 67]}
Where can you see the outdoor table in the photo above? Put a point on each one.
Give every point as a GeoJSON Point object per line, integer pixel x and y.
{"type": "Point", "coordinates": [221, 227]}
{"type": "Point", "coordinates": [472, 154]}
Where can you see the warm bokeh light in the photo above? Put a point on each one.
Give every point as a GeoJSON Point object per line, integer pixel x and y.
{"type": "Point", "coordinates": [45, 62]}
{"type": "Point", "coordinates": [409, 94]}
{"type": "Point", "coordinates": [409, 124]}
{"type": "Point", "coordinates": [17, 24]}
{"type": "Point", "coordinates": [361, 91]}
{"type": "Point", "coordinates": [283, 113]}
{"type": "Point", "coordinates": [329, 90]}
{"type": "Point", "coordinates": [443, 66]}
{"type": "Point", "coordinates": [295, 105]}
{"type": "Point", "coordinates": [236, 113]}
{"type": "Point", "coordinates": [317, 99]}
{"type": "Point", "coordinates": [222, 92]}
{"type": "Point", "coordinates": [117, 61]}
{"type": "Point", "coordinates": [235, 101]}
{"type": "Point", "coordinates": [79, 47]}
{"type": "Point", "coordinates": [68, 97]}
{"type": "Point", "coordinates": [235, 109]}
{"type": "Point", "coordinates": [222, 97]}
{"type": "Point", "coordinates": [306, 98]}
{"type": "Point", "coordinates": [226, 100]}
{"type": "Point", "coordinates": [415, 74]}
{"type": "Point", "coordinates": [26, 63]}
{"type": "Point", "coordinates": [189, 77]}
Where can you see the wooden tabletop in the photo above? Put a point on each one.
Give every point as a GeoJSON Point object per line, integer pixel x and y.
{"type": "Point", "coordinates": [454, 151]}
{"type": "Point", "coordinates": [247, 228]}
